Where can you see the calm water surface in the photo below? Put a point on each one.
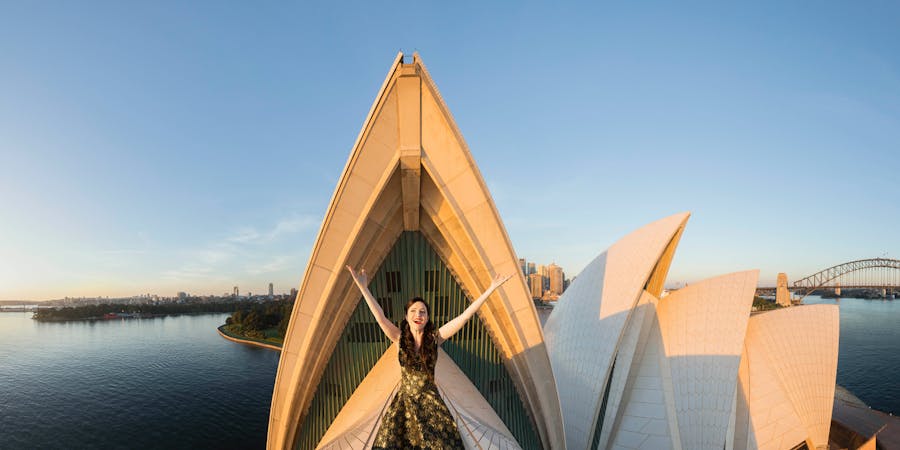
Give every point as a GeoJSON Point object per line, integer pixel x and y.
{"type": "Point", "coordinates": [869, 358]}
{"type": "Point", "coordinates": [168, 382]}
{"type": "Point", "coordinates": [175, 383]}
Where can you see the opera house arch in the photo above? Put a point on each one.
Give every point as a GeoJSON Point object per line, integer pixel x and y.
{"type": "Point", "coordinates": [636, 369]}
{"type": "Point", "coordinates": [585, 329]}
{"type": "Point", "coordinates": [413, 210]}
{"type": "Point", "coordinates": [620, 363]}
{"type": "Point", "coordinates": [787, 377]}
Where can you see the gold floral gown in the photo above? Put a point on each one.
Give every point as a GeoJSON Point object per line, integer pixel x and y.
{"type": "Point", "coordinates": [417, 417]}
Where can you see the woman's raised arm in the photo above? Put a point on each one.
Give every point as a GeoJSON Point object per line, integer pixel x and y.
{"type": "Point", "coordinates": [362, 282]}
{"type": "Point", "coordinates": [450, 328]}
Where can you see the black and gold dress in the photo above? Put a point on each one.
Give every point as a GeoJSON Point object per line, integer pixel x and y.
{"type": "Point", "coordinates": [417, 417]}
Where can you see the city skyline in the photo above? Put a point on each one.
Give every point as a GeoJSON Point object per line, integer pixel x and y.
{"type": "Point", "coordinates": [167, 148]}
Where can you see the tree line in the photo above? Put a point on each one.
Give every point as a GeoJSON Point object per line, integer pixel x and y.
{"type": "Point", "coordinates": [261, 320]}
{"type": "Point", "coordinates": [762, 304]}
{"type": "Point", "coordinates": [97, 311]}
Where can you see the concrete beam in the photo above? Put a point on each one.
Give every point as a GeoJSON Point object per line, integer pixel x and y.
{"type": "Point", "coordinates": [409, 108]}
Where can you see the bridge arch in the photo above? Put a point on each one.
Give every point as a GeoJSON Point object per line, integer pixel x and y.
{"type": "Point", "coordinates": [821, 278]}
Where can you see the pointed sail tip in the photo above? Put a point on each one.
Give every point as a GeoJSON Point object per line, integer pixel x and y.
{"type": "Point", "coordinates": [409, 58]}
{"type": "Point", "coordinates": [684, 216]}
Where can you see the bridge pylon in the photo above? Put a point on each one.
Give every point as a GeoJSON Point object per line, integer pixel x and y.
{"type": "Point", "coordinates": [782, 294]}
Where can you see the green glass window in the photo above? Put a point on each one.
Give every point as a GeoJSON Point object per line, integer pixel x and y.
{"type": "Point", "coordinates": [413, 269]}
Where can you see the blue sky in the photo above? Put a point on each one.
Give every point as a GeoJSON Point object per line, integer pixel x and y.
{"type": "Point", "coordinates": [164, 146]}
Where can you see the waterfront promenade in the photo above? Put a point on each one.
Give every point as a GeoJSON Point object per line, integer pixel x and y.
{"type": "Point", "coordinates": [245, 340]}
{"type": "Point", "coordinates": [850, 412]}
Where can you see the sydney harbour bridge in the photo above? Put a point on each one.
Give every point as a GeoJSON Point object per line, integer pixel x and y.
{"type": "Point", "coordinates": [879, 276]}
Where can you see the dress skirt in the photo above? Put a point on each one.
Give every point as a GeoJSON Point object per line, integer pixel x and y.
{"type": "Point", "coordinates": [417, 417]}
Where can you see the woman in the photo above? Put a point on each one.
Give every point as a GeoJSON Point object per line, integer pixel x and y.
{"type": "Point", "coordinates": [417, 417]}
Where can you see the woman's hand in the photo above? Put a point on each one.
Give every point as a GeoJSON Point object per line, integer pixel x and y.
{"type": "Point", "coordinates": [361, 278]}
{"type": "Point", "coordinates": [362, 282]}
{"type": "Point", "coordinates": [450, 328]}
{"type": "Point", "coordinates": [499, 280]}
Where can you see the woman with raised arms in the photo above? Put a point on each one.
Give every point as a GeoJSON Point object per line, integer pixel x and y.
{"type": "Point", "coordinates": [417, 417]}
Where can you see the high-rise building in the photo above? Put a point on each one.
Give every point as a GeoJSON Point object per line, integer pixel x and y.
{"type": "Point", "coordinates": [556, 277]}
{"type": "Point", "coordinates": [237, 293]}
{"type": "Point", "coordinates": [271, 290]}
{"type": "Point", "coordinates": [522, 267]}
{"type": "Point", "coordinates": [536, 285]}
{"type": "Point", "coordinates": [545, 276]}
{"type": "Point", "coordinates": [531, 269]}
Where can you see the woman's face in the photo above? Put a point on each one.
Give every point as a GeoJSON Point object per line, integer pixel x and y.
{"type": "Point", "coordinates": [417, 316]}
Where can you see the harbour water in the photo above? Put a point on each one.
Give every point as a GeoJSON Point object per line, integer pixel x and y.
{"type": "Point", "coordinates": [168, 382]}
{"type": "Point", "coordinates": [869, 355]}
{"type": "Point", "coordinates": [173, 382]}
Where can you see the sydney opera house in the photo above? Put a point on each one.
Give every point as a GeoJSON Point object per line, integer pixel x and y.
{"type": "Point", "coordinates": [619, 364]}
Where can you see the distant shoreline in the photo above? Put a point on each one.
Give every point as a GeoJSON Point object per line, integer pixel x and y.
{"type": "Point", "coordinates": [103, 319]}
{"type": "Point", "coordinates": [120, 317]}
{"type": "Point", "coordinates": [107, 311]}
{"type": "Point", "coordinates": [243, 340]}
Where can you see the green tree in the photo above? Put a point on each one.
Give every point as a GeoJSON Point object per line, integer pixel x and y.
{"type": "Point", "coordinates": [253, 321]}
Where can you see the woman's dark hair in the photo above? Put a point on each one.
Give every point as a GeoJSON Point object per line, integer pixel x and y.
{"type": "Point", "coordinates": [428, 350]}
